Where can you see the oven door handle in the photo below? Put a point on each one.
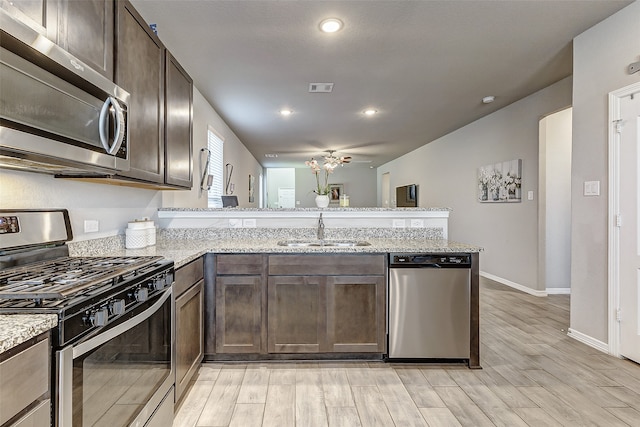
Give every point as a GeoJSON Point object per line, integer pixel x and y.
{"type": "Point", "coordinates": [98, 340]}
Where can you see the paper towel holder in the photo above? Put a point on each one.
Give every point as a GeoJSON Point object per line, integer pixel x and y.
{"type": "Point", "coordinates": [206, 179]}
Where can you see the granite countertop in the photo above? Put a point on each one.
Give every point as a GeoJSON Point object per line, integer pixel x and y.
{"type": "Point", "coordinates": [18, 328]}
{"type": "Point", "coordinates": [183, 251]}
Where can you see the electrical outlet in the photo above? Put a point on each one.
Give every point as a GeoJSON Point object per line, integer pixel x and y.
{"type": "Point", "coordinates": [249, 222]}
{"type": "Point", "coordinates": [91, 225]}
{"type": "Point", "coordinates": [235, 223]}
{"type": "Point", "coordinates": [417, 223]}
{"type": "Point", "coordinates": [399, 223]}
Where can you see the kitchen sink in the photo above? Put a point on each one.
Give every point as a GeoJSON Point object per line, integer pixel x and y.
{"type": "Point", "coordinates": [317, 243]}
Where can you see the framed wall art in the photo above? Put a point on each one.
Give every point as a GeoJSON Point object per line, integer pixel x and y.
{"type": "Point", "coordinates": [500, 182]}
{"type": "Point", "coordinates": [335, 191]}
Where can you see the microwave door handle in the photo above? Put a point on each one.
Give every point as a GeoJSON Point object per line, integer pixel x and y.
{"type": "Point", "coordinates": [104, 123]}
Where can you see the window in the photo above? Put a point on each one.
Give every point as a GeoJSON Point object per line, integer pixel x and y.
{"type": "Point", "coordinates": [216, 146]}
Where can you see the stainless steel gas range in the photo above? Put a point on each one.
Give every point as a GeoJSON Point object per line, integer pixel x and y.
{"type": "Point", "coordinates": [112, 349]}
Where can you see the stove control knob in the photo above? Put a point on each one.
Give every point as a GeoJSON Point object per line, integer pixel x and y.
{"type": "Point", "coordinates": [168, 279]}
{"type": "Point", "coordinates": [142, 294]}
{"type": "Point", "coordinates": [117, 306]}
{"type": "Point", "coordinates": [99, 317]}
{"type": "Point", "coordinates": [158, 283]}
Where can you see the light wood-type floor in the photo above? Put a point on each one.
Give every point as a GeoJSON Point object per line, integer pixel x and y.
{"type": "Point", "coordinates": [533, 374]}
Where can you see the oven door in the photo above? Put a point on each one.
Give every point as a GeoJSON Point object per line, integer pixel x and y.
{"type": "Point", "coordinates": [119, 376]}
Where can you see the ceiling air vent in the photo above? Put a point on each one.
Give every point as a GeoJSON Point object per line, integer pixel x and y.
{"type": "Point", "coordinates": [320, 87]}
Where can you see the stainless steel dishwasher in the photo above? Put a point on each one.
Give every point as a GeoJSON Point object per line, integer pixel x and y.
{"type": "Point", "coordinates": [429, 306]}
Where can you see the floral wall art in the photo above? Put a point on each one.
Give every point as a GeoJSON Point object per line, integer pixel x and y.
{"type": "Point", "coordinates": [500, 182]}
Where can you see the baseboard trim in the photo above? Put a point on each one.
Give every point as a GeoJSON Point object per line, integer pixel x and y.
{"type": "Point", "coordinates": [514, 285]}
{"type": "Point", "coordinates": [590, 341]}
{"type": "Point", "coordinates": [558, 291]}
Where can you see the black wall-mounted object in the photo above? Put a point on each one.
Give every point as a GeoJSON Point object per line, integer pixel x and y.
{"type": "Point", "coordinates": [407, 196]}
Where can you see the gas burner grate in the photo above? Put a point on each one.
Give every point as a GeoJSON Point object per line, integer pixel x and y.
{"type": "Point", "coordinates": [64, 277]}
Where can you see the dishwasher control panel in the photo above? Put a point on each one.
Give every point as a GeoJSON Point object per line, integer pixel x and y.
{"type": "Point", "coordinates": [430, 260]}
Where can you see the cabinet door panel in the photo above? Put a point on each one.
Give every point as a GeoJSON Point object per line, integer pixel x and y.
{"type": "Point", "coordinates": [238, 314]}
{"type": "Point", "coordinates": [140, 71]}
{"type": "Point", "coordinates": [356, 313]}
{"type": "Point", "coordinates": [189, 335]}
{"type": "Point", "coordinates": [296, 319]}
{"type": "Point", "coordinates": [178, 123]}
{"type": "Point", "coordinates": [86, 31]}
{"type": "Point", "coordinates": [41, 15]}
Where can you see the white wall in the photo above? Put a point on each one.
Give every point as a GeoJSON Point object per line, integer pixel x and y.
{"type": "Point", "coordinates": [235, 153]}
{"type": "Point", "coordinates": [601, 56]}
{"type": "Point", "coordinates": [554, 221]}
{"type": "Point", "coordinates": [113, 206]}
{"type": "Point", "coordinates": [446, 171]}
{"type": "Point", "coordinates": [359, 184]}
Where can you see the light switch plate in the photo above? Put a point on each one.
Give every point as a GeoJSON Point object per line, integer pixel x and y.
{"type": "Point", "coordinates": [592, 188]}
{"type": "Point", "coordinates": [399, 223]}
{"type": "Point", "coordinates": [235, 223]}
{"type": "Point", "coordinates": [249, 222]}
{"type": "Point", "coordinates": [530, 195]}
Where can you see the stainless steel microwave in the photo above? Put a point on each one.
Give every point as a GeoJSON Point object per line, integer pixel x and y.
{"type": "Point", "coordinates": [57, 115]}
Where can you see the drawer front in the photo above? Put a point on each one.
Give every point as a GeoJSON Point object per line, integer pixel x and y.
{"type": "Point", "coordinates": [239, 264]}
{"type": "Point", "coordinates": [187, 275]}
{"type": "Point", "coordinates": [25, 378]}
{"type": "Point", "coordinates": [37, 417]}
{"type": "Point", "coordinates": [327, 265]}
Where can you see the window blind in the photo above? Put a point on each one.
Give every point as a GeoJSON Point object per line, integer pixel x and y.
{"type": "Point", "coordinates": [216, 146]}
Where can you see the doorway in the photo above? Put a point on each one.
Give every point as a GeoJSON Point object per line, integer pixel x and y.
{"type": "Point", "coordinates": [624, 222]}
{"type": "Point", "coordinates": [554, 207]}
{"type": "Point", "coordinates": [281, 187]}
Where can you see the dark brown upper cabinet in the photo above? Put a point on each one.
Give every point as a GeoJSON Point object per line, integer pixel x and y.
{"type": "Point", "coordinates": [139, 69]}
{"type": "Point", "coordinates": [41, 15]}
{"type": "Point", "coordinates": [178, 124]}
{"type": "Point", "coordinates": [86, 31]}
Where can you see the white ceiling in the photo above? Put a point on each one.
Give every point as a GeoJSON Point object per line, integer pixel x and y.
{"type": "Point", "coordinates": [424, 65]}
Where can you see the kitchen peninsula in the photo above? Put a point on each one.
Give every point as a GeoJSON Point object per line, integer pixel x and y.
{"type": "Point", "coordinates": [251, 236]}
{"type": "Point", "coordinates": [261, 266]}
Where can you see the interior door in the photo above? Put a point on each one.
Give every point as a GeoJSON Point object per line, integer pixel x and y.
{"type": "Point", "coordinates": [630, 226]}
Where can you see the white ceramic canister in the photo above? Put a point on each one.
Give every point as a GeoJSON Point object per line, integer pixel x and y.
{"type": "Point", "coordinates": [137, 234]}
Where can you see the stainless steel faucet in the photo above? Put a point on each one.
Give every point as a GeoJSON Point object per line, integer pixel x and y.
{"type": "Point", "coordinates": [320, 228]}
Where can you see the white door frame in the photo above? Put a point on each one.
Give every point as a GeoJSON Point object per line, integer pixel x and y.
{"type": "Point", "coordinates": [614, 211]}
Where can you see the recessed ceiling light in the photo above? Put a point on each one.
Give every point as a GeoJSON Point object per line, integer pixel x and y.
{"type": "Point", "coordinates": [488, 99]}
{"type": "Point", "coordinates": [331, 25]}
{"type": "Point", "coordinates": [285, 112]}
{"type": "Point", "coordinates": [271, 155]}
{"type": "Point", "coordinates": [370, 111]}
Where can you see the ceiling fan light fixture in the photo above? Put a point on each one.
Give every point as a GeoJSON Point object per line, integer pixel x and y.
{"type": "Point", "coordinates": [331, 25]}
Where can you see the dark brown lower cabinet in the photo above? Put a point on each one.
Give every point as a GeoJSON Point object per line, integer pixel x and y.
{"type": "Point", "coordinates": [356, 314]}
{"type": "Point", "coordinates": [296, 314]}
{"type": "Point", "coordinates": [238, 314]}
{"type": "Point", "coordinates": [189, 326]}
{"type": "Point", "coordinates": [326, 303]}
{"type": "Point", "coordinates": [240, 303]}
{"type": "Point", "coordinates": [326, 314]}
{"type": "Point", "coordinates": [299, 304]}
